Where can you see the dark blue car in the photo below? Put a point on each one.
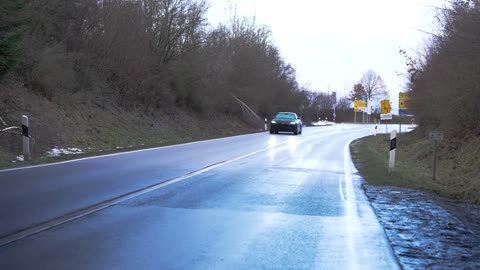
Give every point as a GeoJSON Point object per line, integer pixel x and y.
{"type": "Point", "coordinates": [286, 122]}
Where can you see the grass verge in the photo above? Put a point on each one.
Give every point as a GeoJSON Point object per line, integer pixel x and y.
{"type": "Point", "coordinates": [458, 174]}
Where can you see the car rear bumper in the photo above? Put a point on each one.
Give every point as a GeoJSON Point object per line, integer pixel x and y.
{"type": "Point", "coordinates": [283, 127]}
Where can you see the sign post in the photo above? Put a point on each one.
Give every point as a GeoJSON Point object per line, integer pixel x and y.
{"type": "Point", "coordinates": [400, 128]}
{"type": "Point", "coordinates": [385, 115]}
{"type": "Point", "coordinates": [393, 147]}
{"type": "Point", "coordinates": [436, 136]}
{"type": "Point", "coordinates": [402, 106]}
{"type": "Point", "coordinates": [359, 106]}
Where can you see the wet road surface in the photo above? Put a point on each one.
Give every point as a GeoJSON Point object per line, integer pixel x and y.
{"type": "Point", "coordinates": [271, 201]}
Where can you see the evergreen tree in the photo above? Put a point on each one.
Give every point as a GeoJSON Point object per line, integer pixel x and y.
{"type": "Point", "coordinates": [10, 34]}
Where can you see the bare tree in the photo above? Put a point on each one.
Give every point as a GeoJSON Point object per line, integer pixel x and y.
{"type": "Point", "coordinates": [373, 85]}
{"type": "Point", "coordinates": [343, 104]}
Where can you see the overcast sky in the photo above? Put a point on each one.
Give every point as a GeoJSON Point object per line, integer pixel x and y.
{"type": "Point", "coordinates": [332, 43]}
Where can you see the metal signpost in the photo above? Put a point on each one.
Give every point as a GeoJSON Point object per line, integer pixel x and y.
{"type": "Point", "coordinates": [358, 105]}
{"type": "Point", "coordinates": [385, 115]}
{"type": "Point", "coordinates": [402, 106]}
{"type": "Point", "coordinates": [436, 136]}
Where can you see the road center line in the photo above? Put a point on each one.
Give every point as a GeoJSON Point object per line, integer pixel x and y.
{"type": "Point", "coordinates": [23, 233]}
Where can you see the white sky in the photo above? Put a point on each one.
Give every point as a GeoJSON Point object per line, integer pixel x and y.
{"type": "Point", "coordinates": [331, 43]}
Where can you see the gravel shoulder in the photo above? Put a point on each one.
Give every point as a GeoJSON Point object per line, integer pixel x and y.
{"type": "Point", "coordinates": [427, 231]}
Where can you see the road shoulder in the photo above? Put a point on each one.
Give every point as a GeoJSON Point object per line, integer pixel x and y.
{"type": "Point", "coordinates": [427, 231]}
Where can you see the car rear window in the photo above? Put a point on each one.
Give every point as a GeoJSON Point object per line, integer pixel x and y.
{"type": "Point", "coordinates": [285, 116]}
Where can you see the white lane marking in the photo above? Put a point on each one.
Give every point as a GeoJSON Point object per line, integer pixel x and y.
{"type": "Point", "coordinates": [350, 208]}
{"type": "Point", "coordinates": [108, 203]}
{"type": "Point", "coordinates": [100, 206]}
{"type": "Point", "coordinates": [340, 188]}
{"type": "Point", "coordinates": [298, 184]}
{"type": "Point", "coordinates": [123, 153]}
{"type": "Point", "coordinates": [95, 208]}
{"type": "Point", "coordinates": [128, 152]}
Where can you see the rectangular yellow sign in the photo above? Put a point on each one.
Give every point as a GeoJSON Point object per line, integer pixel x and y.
{"type": "Point", "coordinates": [403, 100]}
{"type": "Point", "coordinates": [385, 104]}
{"type": "Point", "coordinates": [359, 105]}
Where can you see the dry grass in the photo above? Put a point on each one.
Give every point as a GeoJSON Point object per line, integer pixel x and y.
{"type": "Point", "coordinates": [93, 122]}
{"type": "Point", "coordinates": [458, 174]}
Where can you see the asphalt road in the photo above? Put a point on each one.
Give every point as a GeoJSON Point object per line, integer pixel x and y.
{"type": "Point", "coordinates": [245, 202]}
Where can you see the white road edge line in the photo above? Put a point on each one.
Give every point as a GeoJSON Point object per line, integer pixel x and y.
{"type": "Point", "coordinates": [122, 153]}
{"type": "Point", "coordinates": [100, 206]}
{"type": "Point", "coordinates": [340, 188]}
{"type": "Point", "coordinates": [350, 207]}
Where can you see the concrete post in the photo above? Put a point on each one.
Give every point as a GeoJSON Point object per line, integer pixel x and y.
{"type": "Point", "coordinates": [393, 147]}
{"type": "Point", "coordinates": [25, 138]}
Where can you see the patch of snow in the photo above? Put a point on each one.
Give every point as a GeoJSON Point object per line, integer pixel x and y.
{"type": "Point", "coordinates": [55, 152]}
{"type": "Point", "coordinates": [9, 128]}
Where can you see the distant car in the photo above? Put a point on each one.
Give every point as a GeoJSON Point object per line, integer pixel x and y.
{"type": "Point", "coordinates": [286, 122]}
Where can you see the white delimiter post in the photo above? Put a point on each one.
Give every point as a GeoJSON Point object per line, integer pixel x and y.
{"type": "Point", "coordinates": [266, 124]}
{"type": "Point", "coordinates": [393, 146]}
{"type": "Point", "coordinates": [25, 138]}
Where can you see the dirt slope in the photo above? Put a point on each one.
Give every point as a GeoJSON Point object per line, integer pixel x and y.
{"type": "Point", "coordinates": [94, 122]}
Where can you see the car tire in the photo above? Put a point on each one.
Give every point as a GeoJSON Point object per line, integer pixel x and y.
{"type": "Point", "coordinates": [271, 132]}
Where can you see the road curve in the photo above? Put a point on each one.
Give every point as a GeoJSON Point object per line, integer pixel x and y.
{"type": "Point", "coordinates": [271, 201]}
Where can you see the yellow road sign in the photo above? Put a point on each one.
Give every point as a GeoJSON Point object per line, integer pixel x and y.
{"type": "Point", "coordinates": [385, 104]}
{"type": "Point", "coordinates": [359, 105]}
{"type": "Point", "coordinates": [402, 100]}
